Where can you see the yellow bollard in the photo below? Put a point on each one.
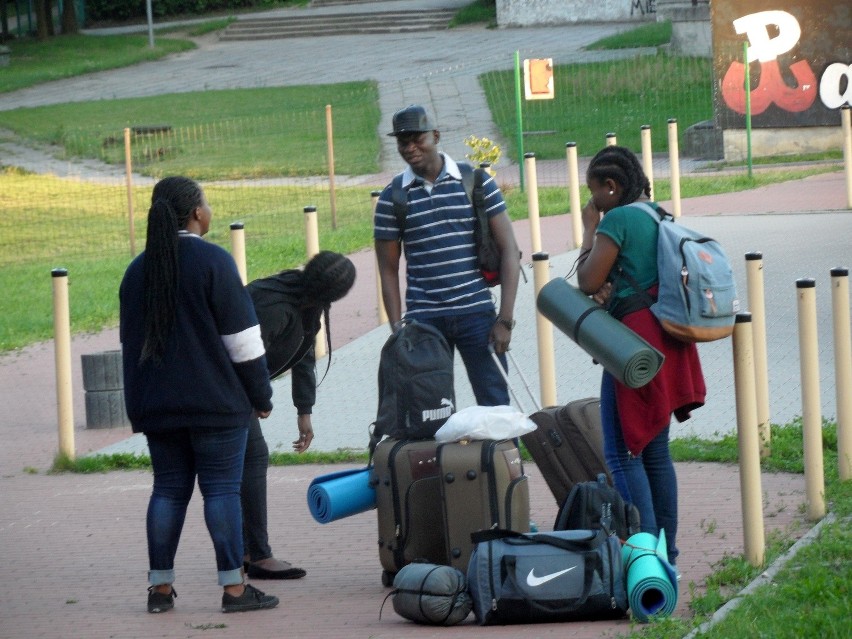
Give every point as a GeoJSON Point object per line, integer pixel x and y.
{"type": "Point", "coordinates": [329, 137]}
{"type": "Point", "coordinates": [62, 356]}
{"type": "Point", "coordinates": [674, 167]}
{"type": "Point", "coordinates": [842, 369]}
{"type": "Point", "coordinates": [756, 306]}
{"type": "Point", "coordinates": [647, 156]}
{"type": "Point", "coordinates": [532, 201]}
{"type": "Point", "coordinates": [611, 139]}
{"type": "Point", "coordinates": [544, 329]}
{"type": "Point", "coordinates": [128, 179]}
{"type": "Point", "coordinates": [748, 445]}
{"type": "Point", "coordinates": [847, 151]}
{"type": "Point", "coordinates": [811, 411]}
{"type": "Point", "coordinates": [312, 248]}
{"type": "Point", "coordinates": [238, 249]}
{"type": "Point", "coordinates": [574, 193]}
{"type": "Point", "coordinates": [380, 303]}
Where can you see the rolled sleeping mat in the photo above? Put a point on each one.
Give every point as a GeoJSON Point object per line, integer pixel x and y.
{"type": "Point", "coordinates": [341, 494]}
{"type": "Point", "coordinates": [623, 353]}
{"type": "Point", "coordinates": [652, 585]}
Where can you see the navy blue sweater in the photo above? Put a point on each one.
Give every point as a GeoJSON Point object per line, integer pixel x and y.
{"type": "Point", "coordinates": [213, 372]}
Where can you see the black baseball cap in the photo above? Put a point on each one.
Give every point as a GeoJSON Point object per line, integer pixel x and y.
{"type": "Point", "coordinates": [412, 119]}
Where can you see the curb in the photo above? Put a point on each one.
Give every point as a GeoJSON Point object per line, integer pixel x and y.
{"type": "Point", "coordinates": [762, 579]}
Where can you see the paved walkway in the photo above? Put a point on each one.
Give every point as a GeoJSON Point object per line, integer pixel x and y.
{"type": "Point", "coordinates": [74, 545]}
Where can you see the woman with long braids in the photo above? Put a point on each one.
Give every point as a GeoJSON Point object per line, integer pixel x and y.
{"type": "Point", "coordinates": [620, 248]}
{"type": "Point", "coordinates": [289, 306]}
{"type": "Point", "coordinates": [194, 374]}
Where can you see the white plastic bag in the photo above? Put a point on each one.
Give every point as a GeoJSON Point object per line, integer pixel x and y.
{"type": "Point", "coordinates": [485, 422]}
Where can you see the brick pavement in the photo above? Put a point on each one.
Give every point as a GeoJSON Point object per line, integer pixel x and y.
{"type": "Point", "coordinates": [75, 544]}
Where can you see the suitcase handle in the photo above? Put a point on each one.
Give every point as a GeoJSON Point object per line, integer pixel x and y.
{"type": "Point", "coordinates": [506, 377]}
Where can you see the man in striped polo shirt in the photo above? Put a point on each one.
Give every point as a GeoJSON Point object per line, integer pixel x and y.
{"type": "Point", "coordinates": [444, 287]}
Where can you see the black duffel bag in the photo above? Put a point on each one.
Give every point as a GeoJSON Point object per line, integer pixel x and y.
{"type": "Point", "coordinates": [537, 577]}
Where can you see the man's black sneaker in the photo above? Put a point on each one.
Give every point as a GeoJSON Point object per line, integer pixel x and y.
{"type": "Point", "coordinates": [251, 599]}
{"type": "Point", "coordinates": [159, 602]}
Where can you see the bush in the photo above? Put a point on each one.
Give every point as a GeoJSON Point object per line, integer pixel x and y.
{"type": "Point", "coordinates": [119, 10]}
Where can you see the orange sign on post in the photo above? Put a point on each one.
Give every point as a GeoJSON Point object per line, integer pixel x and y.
{"type": "Point", "coordinates": [538, 79]}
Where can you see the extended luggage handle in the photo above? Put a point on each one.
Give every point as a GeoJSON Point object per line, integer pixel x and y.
{"type": "Point", "coordinates": [500, 368]}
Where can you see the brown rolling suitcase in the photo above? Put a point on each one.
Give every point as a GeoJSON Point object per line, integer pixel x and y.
{"type": "Point", "coordinates": [483, 486]}
{"type": "Point", "coordinates": [408, 503]}
{"type": "Point", "coordinates": [567, 446]}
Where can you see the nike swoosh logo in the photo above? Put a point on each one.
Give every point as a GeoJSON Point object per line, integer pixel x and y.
{"type": "Point", "coordinates": [534, 581]}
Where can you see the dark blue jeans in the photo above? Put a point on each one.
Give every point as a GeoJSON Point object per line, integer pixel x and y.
{"type": "Point", "coordinates": [470, 334]}
{"type": "Point", "coordinates": [253, 495]}
{"type": "Point", "coordinates": [647, 480]}
{"type": "Point", "coordinates": [215, 456]}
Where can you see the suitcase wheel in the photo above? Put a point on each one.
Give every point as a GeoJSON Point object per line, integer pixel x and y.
{"type": "Point", "coordinates": [387, 578]}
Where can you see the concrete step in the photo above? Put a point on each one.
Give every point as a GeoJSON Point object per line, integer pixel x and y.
{"type": "Point", "coordinates": [293, 26]}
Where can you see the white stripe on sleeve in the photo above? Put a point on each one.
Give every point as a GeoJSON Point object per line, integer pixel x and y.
{"type": "Point", "coordinates": [245, 345]}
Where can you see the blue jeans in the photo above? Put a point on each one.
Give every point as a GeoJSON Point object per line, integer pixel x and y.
{"type": "Point", "coordinates": [470, 334]}
{"type": "Point", "coordinates": [253, 495]}
{"type": "Point", "coordinates": [647, 480]}
{"type": "Point", "coordinates": [215, 456]}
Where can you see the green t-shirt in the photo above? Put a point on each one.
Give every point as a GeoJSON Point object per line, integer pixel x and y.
{"type": "Point", "coordinates": [635, 234]}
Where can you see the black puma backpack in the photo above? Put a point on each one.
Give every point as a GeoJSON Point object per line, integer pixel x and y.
{"type": "Point", "coordinates": [416, 394]}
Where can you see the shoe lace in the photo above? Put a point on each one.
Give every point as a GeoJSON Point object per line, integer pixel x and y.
{"type": "Point", "coordinates": [172, 594]}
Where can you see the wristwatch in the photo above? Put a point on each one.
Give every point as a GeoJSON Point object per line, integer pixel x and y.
{"type": "Point", "coordinates": [508, 323]}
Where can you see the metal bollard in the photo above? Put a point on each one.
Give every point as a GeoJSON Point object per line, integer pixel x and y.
{"type": "Point", "coordinates": [312, 248]}
{"type": "Point", "coordinates": [748, 445]}
{"type": "Point", "coordinates": [674, 168]}
{"type": "Point", "coordinates": [757, 308]}
{"type": "Point", "coordinates": [574, 193]}
{"type": "Point", "coordinates": [842, 369]}
{"type": "Point", "coordinates": [811, 411]}
{"type": "Point", "coordinates": [647, 156]}
{"type": "Point", "coordinates": [238, 249]}
{"type": "Point", "coordinates": [532, 201]}
{"type": "Point", "coordinates": [62, 358]}
{"type": "Point", "coordinates": [380, 303]}
{"type": "Point", "coordinates": [544, 330]}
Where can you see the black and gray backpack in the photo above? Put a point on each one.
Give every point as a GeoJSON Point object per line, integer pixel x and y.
{"type": "Point", "coordinates": [416, 393]}
{"type": "Point", "coordinates": [597, 504]}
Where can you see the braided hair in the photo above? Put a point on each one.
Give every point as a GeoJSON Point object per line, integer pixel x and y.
{"type": "Point", "coordinates": [172, 203]}
{"type": "Point", "coordinates": [622, 166]}
{"type": "Point", "coordinates": [327, 277]}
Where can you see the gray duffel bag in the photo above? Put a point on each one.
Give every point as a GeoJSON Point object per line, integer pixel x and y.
{"type": "Point", "coordinates": [431, 594]}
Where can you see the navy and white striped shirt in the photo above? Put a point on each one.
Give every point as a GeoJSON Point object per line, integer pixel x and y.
{"type": "Point", "coordinates": [442, 277]}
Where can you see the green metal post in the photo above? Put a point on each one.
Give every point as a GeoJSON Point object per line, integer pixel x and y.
{"type": "Point", "coordinates": [748, 108]}
{"type": "Point", "coordinates": [518, 106]}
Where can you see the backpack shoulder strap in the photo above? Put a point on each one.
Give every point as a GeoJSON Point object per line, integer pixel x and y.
{"type": "Point", "coordinates": [658, 216]}
{"type": "Point", "coordinates": [400, 201]}
{"type": "Point", "coordinates": [468, 175]}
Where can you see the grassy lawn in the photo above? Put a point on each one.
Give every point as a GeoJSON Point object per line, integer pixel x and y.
{"type": "Point", "coordinates": [279, 131]}
{"type": "Point", "coordinates": [591, 100]}
{"type": "Point", "coordinates": [33, 62]}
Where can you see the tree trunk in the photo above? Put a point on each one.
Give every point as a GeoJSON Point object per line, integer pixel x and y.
{"type": "Point", "coordinates": [41, 21]}
{"type": "Point", "coordinates": [4, 21]}
{"type": "Point", "coordinates": [69, 18]}
{"type": "Point", "coordinates": [48, 10]}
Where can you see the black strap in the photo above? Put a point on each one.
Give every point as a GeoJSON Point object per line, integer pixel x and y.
{"type": "Point", "coordinates": [582, 318]}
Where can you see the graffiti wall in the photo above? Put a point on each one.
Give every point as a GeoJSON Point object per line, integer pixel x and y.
{"type": "Point", "coordinates": [528, 13]}
{"type": "Point", "coordinates": [799, 62]}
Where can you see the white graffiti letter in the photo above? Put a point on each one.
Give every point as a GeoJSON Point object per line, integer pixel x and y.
{"type": "Point", "coordinates": [829, 85]}
{"type": "Point", "coordinates": [761, 46]}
